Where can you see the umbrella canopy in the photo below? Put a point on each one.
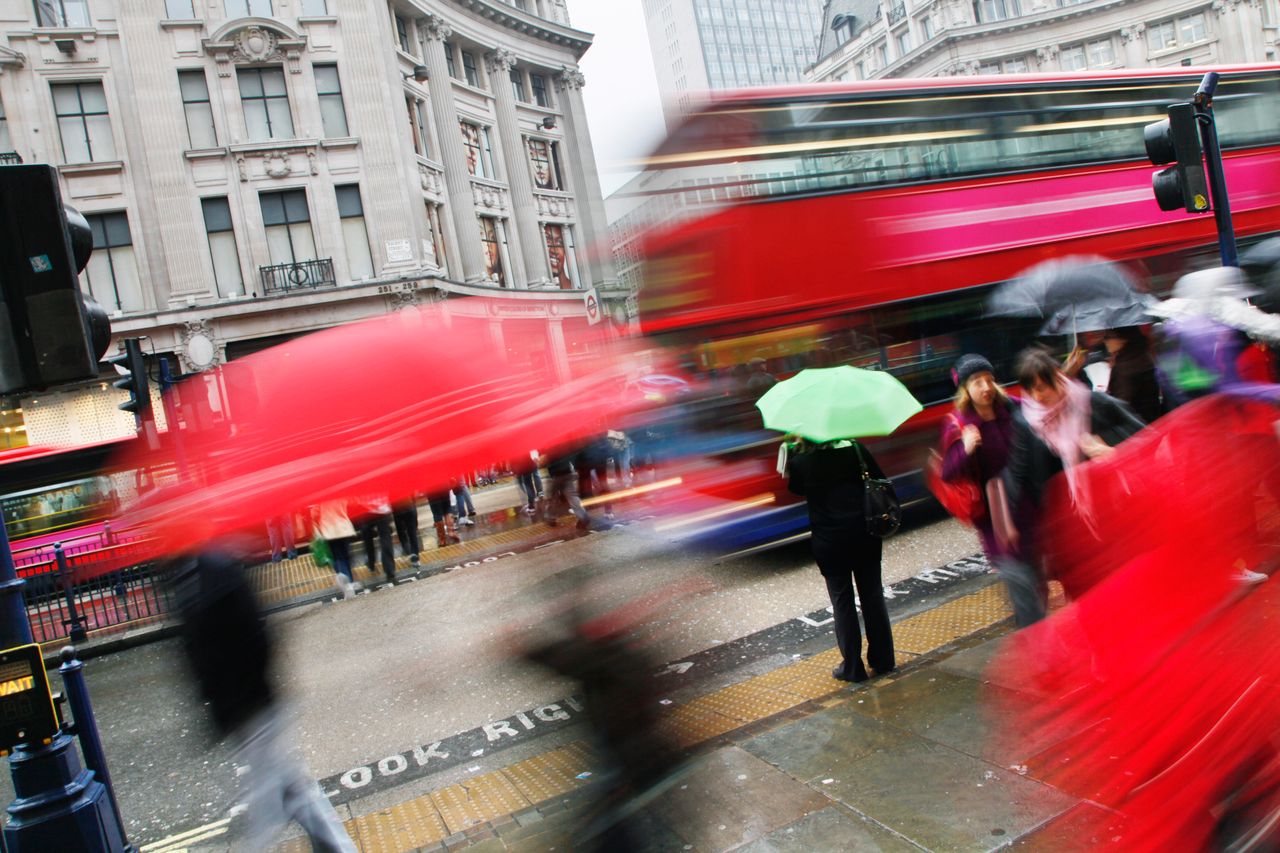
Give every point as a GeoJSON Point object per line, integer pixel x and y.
{"type": "Point", "coordinates": [1096, 317]}
{"type": "Point", "coordinates": [1262, 264]}
{"type": "Point", "coordinates": [824, 404]}
{"type": "Point", "coordinates": [1064, 284]}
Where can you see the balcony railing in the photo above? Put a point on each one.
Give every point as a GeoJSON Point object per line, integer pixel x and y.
{"type": "Point", "coordinates": [10, 158]}
{"type": "Point", "coordinates": [299, 275]}
{"type": "Point", "coordinates": [897, 12]}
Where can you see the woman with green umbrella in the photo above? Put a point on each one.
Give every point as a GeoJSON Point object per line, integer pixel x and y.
{"type": "Point", "coordinates": [828, 407]}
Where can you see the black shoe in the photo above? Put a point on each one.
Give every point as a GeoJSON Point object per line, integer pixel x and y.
{"type": "Point", "coordinates": [876, 673]}
{"type": "Point", "coordinates": [840, 675]}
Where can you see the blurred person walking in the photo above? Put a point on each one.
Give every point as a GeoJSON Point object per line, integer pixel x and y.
{"type": "Point", "coordinates": [976, 441]}
{"type": "Point", "coordinates": [465, 509]}
{"type": "Point", "coordinates": [230, 652]}
{"type": "Point", "coordinates": [830, 477]}
{"type": "Point", "coordinates": [529, 481]}
{"type": "Point", "coordinates": [280, 535]}
{"type": "Point", "coordinates": [1060, 425]}
{"type": "Point", "coordinates": [1133, 371]}
{"type": "Point", "coordinates": [405, 515]}
{"type": "Point", "coordinates": [333, 525]}
{"type": "Point", "coordinates": [442, 516]}
{"type": "Point", "coordinates": [564, 488]}
{"type": "Point", "coordinates": [376, 525]}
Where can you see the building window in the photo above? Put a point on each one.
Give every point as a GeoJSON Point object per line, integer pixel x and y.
{"type": "Point", "coordinates": [538, 84]}
{"type": "Point", "coordinates": [402, 34]}
{"type": "Point", "coordinates": [989, 68]}
{"type": "Point", "coordinates": [83, 122]}
{"type": "Point", "coordinates": [111, 276]}
{"type": "Point", "coordinates": [1072, 58]}
{"type": "Point", "coordinates": [882, 51]}
{"type": "Point", "coordinates": [904, 42]}
{"type": "Point", "coordinates": [517, 85]}
{"type": "Point", "coordinates": [1163, 35]}
{"type": "Point", "coordinates": [355, 236]}
{"type": "Point", "coordinates": [418, 125]}
{"type": "Point", "coordinates": [926, 27]}
{"type": "Point", "coordinates": [62, 13]}
{"type": "Point", "coordinates": [6, 144]}
{"type": "Point", "coordinates": [1191, 28]}
{"type": "Point", "coordinates": [1178, 32]}
{"type": "Point", "coordinates": [860, 70]}
{"type": "Point", "coordinates": [195, 103]}
{"type": "Point", "coordinates": [222, 246]}
{"type": "Point", "coordinates": [315, 8]}
{"type": "Point", "coordinates": [479, 152]}
{"type": "Point", "coordinates": [1100, 53]}
{"type": "Point", "coordinates": [544, 156]}
{"type": "Point", "coordinates": [437, 236]}
{"type": "Point", "coordinates": [266, 103]}
{"type": "Point", "coordinates": [1017, 65]}
{"type": "Point", "coordinates": [469, 68]}
{"type": "Point", "coordinates": [288, 224]}
{"type": "Point", "coordinates": [494, 239]}
{"type": "Point", "coordinates": [995, 10]}
{"type": "Point", "coordinates": [246, 8]}
{"type": "Point", "coordinates": [179, 10]}
{"type": "Point", "coordinates": [561, 256]}
{"type": "Point", "coordinates": [329, 89]}
{"type": "Point", "coordinates": [450, 61]}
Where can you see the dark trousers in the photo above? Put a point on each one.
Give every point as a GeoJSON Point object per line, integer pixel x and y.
{"type": "Point", "coordinates": [407, 530]}
{"type": "Point", "coordinates": [845, 561]}
{"type": "Point", "coordinates": [379, 525]}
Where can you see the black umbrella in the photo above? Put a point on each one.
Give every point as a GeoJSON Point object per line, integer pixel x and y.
{"type": "Point", "coordinates": [1262, 264]}
{"type": "Point", "coordinates": [1074, 294]}
{"type": "Point", "coordinates": [1097, 317]}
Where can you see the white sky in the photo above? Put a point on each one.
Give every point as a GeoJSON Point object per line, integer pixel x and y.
{"type": "Point", "coordinates": [624, 110]}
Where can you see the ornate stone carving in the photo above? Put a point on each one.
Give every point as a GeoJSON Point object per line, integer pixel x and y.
{"type": "Point", "coordinates": [1047, 54]}
{"type": "Point", "coordinates": [196, 346]}
{"type": "Point", "coordinates": [492, 198]}
{"type": "Point", "coordinates": [403, 299]}
{"type": "Point", "coordinates": [500, 61]}
{"type": "Point", "coordinates": [254, 44]}
{"type": "Point", "coordinates": [553, 206]}
{"type": "Point", "coordinates": [570, 78]}
{"type": "Point", "coordinates": [435, 27]}
{"type": "Point", "coordinates": [432, 179]}
{"type": "Point", "coordinates": [277, 165]}
{"type": "Point", "coordinates": [1132, 33]}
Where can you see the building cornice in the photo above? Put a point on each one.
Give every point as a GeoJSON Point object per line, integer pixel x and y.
{"type": "Point", "coordinates": [528, 24]}
{"type": "Point", "coordinates": [10, 58]}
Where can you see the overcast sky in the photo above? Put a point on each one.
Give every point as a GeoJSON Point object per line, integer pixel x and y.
{"type": "Point", "coordinates": [623, 107]}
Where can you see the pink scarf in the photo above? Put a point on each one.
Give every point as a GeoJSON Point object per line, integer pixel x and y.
{"type": "Point", "coordinates": [1062, 425]}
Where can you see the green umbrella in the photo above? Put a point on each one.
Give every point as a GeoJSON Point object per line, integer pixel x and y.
{"type": "Point", "coordinates": [824, 404]}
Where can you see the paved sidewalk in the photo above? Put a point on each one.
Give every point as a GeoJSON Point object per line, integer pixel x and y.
{"type": "Point", "coordinates": [791, 759]}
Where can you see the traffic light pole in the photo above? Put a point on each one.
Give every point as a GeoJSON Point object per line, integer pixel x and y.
{"type": "Point", "coordinates": [1203, 102]}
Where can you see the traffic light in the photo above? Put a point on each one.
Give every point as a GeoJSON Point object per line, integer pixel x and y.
{"type": "Point", "coordinates": [132, 368]}
{"type": "Point", "coordinates": [50, 332]}
{"type": "Point", "coordinates": [1177, 140]}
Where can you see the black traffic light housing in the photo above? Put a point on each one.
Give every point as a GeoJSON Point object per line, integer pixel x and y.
{"type": "Point", "coordinates": [1177, 140]}
{"type": "Point", "coordinates": [50, 332]}
{"type": "Point", "coordinates": [132, 367]}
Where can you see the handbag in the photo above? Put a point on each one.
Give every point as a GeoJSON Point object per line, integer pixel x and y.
{"type": "Point", "coordinates": [879, 501]}
{"type": "Point", "coordinates": [320, 552]}
{"type": "Point", "coordinates": [962, 498]}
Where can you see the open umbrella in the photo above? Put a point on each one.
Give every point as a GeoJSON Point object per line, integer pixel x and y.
{"type": "Point", "coordinates": [824, 404]}
{"type": "Point", "coordinates": [1262, 264]}
{"type": "Point", "coordinates": [1074, 294]}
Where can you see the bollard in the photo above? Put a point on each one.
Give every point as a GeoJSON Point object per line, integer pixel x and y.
{"type": "Point", "coordinates": [78, 632]}
{"type": "Point", "coordinates": [86, 729]}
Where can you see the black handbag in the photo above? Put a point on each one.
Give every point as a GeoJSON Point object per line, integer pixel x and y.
{"type": "Point", "coordinates": [879, 501]}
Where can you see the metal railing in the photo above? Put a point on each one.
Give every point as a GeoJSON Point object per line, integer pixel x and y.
{"type": "Point", "coordinates": [10, 158]}
{"type": "Point", "coordinates": [298, 275]}
{"type": "Point", "coordinates": [897, 12]}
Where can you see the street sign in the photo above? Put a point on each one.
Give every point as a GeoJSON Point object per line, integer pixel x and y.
{"type": "Point", "coordinates": [27, 715]}
{"type": "Point", "coordinates": [399, 251]}
{"type": "Point", "coordinates": [592, 302]}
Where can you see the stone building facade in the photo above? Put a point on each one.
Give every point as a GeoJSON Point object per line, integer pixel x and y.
{"type": "Point", "coordinates": [258, 169]}
{"type": "Point", "coordinates": [864, 39]}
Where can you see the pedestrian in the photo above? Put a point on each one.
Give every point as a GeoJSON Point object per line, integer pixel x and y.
{"type": "Point", "coordinates": [333, 525]}
{"type": "Point", "coordinates": [529, 480]}
{"type": "Point", "coordinates": [226, 643]}
{"type": "Point", "coordinates": [376, 525]}
{"type": "Point", "coordinates": [564, 488]}
{"type": "Point", "coordinates": [831, 477]}
{"type": "Point", "coordinates": [1059, 425]}
{"type": "Point", "coordinates": [976, 440]}
{"type": "Point", "coordinates": [592, 467]}
{"type": "Point", "coordinates": [442, 516]}
{"type": "Point", "coordinates": [465, 509]}
{"type": "Point", "coordinates": [405, 515]}
{"type": "Point", "coordinates": [1133, 371]}
{"type": "Point", "coordinates": [280, 535]}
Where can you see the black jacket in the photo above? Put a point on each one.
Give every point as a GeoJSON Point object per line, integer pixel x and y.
{"type": "Point", "coordinates": [831, 480]}
{"type": "Point", "coordinates": [1032, 464]}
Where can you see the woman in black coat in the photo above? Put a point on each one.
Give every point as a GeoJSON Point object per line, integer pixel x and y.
{"type": "Point", "coordinates": [830, 476]}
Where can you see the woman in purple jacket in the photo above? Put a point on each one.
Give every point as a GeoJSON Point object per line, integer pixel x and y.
{"type": "Point", "coordinates": [977, 440]}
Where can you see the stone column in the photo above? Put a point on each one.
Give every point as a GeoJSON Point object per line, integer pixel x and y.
{"type": "Point", "coordinates": [1135, 45]}
{"type": "Point", "coordinates": [594, 234]}
{"type": "Point", "coordinates": [527, 256]}
{"type": "Point", "coordinates": [456, 177]}
{"type": "Point", "coordinates": [557, 349]}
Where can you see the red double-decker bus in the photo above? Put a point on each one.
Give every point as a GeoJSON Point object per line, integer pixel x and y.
{"type": "Point", "coordinates": [865, 223]}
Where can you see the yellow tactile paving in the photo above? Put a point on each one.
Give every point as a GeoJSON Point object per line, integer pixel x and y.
{"type": "Point", "coordinates": [406, 826]}
{"type": "Point", "coordinates": [959, 618]}
{"type": "Point", "coordinates": [551, 774]}
{"type": "Point", "coordinates": [428, 819]}
{"type": "Point", "coordinates": [478, 799]}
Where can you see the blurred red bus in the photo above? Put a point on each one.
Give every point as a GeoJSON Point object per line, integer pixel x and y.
{"type": "Point", "coordinates": [865, 223]}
